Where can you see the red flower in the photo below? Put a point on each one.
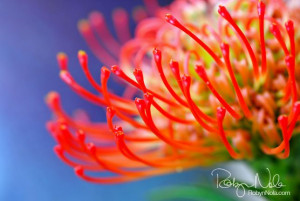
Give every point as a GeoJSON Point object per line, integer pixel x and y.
{"type": "Point", "coordinates": [200, 68]}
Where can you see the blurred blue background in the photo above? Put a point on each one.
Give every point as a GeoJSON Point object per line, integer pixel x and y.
{"type": "Point", "coordinates": [31, 33]}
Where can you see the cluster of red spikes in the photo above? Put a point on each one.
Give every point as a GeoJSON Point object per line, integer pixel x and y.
{"type": "Point", "coordinates": [168, 129]}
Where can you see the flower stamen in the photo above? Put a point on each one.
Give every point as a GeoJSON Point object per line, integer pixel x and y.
{"type": "Point", "coordinates": [202, 74]}
{"type": "Point", "coordinates": [220, 116]}
{"type": "Point", "coordinates": [225, 14]}
{"type": "Point", "coordinates": [225, 52]}
{"type": "Point", "coordinates": [261, 15]}
{"type": "Point", "coordinates": [157, 58]}
{"type": "Point", "coordinates": [173, 21]}
{"type": "Point", "coordinates": [276, 32]}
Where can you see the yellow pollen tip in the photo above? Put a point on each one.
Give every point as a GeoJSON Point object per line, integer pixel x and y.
{"type": "Point", "coordinates": [83, 25]}
{"type": "Point", "coordinates": [81, 53]}
{"type": "Point", "coordinates": [63, 73]}
{"type": "Point", "coordinates": [50, 96]}
{"type": "Point", "coordinates": [61, 55]}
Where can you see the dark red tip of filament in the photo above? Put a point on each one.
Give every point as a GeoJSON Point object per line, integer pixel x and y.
{"type": "Point", "coordinates": [171, 19]}
{"type": "Point", "coordinates": [62, 61]}
{"type": "Point", "coordinates": [289, 25]}
{"type": "Point", "coordinates": [221, 111]}
{"type": "Point", "coordinates": [138, 74]}
{"type": "Point", "coordinates": [80, 135]}
{"type": "Point", "coordinates": [261, 7]}
{"type": "Point", "coordinates": [283, 121]}
{"type": "Point", "coordinates": [157, 55]}
{"type": "Point", "coordinates": [201, 72]}
{"type": "Point", "coordinates": [148, 98]}
{"type": "Point", "coordinates": [91, 147]}
{"type": "Point", "coordinates": [53, 100]}
{"type": "Point", "coordinates": [105, 73]}
{"type": "Point", "coordinates": [225, 49]}
{"type": "Point", "coordinates": [116, 70]}
{"type": "Point", "coordinates": [275, 30]}
{"type": "Point", "coordinates": [58, 149]}
{"type": "Point", "coordinates": [79, 170]}
{"type": "Point", "coordinates": [186, 81]}
{"type": "Point", "coordinates": [83, 58]}
{"type": "Point", "coordinates": [174, 67]}
{"type": "Point", "coordinates": [223, 12]}
{"type": "Point", "coordinates": [140, 104]}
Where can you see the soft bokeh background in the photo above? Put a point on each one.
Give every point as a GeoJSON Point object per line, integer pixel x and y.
{"type": "Point", "coordinates": [31, 33]}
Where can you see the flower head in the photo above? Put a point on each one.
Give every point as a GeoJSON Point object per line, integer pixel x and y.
{"type": "Point", "coordinates": [213, 83]}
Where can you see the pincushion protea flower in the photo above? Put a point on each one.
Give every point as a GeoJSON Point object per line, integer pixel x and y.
{"type": "Point", "coordinates": [214, 83]}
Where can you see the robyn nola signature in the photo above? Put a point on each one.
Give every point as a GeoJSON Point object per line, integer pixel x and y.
{"type": "Point", "coordinates": [227, 181]}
